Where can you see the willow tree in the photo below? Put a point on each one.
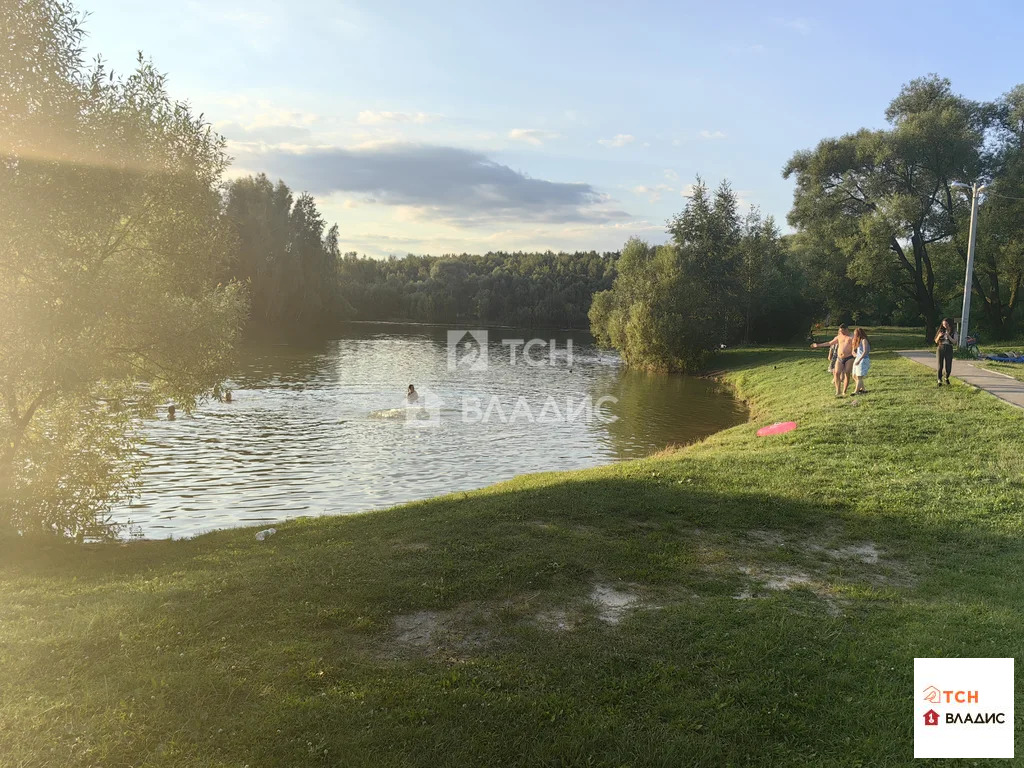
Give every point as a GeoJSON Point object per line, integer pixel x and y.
{"type": "Point", "coordinates": [111, 234]}
{"type": "Point", "coordinates": [672, 305]}
{"type": "Point", "coordinates": [886, 197]}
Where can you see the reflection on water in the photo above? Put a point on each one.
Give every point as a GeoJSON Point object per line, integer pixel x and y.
{"type": "Point", "coordinates": [325, 430]}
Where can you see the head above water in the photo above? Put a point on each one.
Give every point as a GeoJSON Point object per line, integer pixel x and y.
{"type": "Point", "coordinates": [412, 388]}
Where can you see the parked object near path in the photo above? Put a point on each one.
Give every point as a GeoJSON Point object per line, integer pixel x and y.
{"type": "Point", "coordinates": [1008, 357]}
{"type": "Point", "coordinates": [778, 428]}
{"type": "Point", "coordinates": [265, 534]}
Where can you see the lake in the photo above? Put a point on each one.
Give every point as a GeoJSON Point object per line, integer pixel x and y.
{"type": "Point", "coordinates": [325, 429]}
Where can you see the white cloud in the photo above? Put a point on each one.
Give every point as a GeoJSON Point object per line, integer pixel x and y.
{"type": "Point", "coordinates": [620, 140]}
{"type": "Point", "coordinates": [534, 136]}
{"type": "Point", "coordinates": [687, 191]}
{"type": "Point", "coordinates": [653, 194]}
{"type": "Point", "coordinates": [712, 135]}
{"type": "Point", "coordinates": [372, 117]}
{"type": "Point", "coordinates": [671, 175]}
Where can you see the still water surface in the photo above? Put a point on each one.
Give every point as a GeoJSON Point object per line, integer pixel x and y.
{"type": "Point", "coordinates": [322, 430]}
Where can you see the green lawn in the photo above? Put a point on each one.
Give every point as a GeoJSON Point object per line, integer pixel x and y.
{"type": "Point", "coordinates": [744, 601]}
{"type": "Point", "coordinates": [1016, 370]}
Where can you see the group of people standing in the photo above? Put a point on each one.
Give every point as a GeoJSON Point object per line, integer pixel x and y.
{"type": "Point", "coordinates": [849, 356]}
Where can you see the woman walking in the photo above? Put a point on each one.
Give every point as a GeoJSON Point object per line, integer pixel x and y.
{"type": "Point", "coordinates": [946, 338]}
{"type": "Point", "coordinates": [861, 359]}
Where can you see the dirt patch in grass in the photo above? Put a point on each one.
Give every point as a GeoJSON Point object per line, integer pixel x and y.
{"type": "Point", "coordinates": [430, 632]}
{"type": "Point", "coordinates": [555, 620]}
{"type": "Point", "coordinates": [865, 552]}
{"type": "Point", "coordinates": [613, 604]}
{"type": "Point", "coordinates": [827, 546]}
{"type": "Point", "coordinates": [783, 579]}
{"type": "Point", "coordinates": [420, 630]}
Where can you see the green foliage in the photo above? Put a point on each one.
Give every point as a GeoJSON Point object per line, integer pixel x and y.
{"type": "Point", "coordinates": [111, 235]}
{"type": "Point", "coordinates": [522, 289]}
{"type": "Point", "coordinates": [886, 199]}
{"type": "Point", "coordinates": [285, 256]}
{"type": "Point", "coordinates": [722, 280]}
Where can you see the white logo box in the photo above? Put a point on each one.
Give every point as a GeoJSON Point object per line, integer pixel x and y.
{"type": "Point", "coordinates": [973, 699]}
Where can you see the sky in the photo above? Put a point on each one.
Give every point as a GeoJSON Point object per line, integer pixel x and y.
{"type": "Point", "coordinates": [467, 127]}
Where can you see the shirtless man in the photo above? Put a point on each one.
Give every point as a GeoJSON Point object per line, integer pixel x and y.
{"type": "Point", "coordinates": [843, 342]}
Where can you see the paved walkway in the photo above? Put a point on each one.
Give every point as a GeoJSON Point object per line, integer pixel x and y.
{"type": "Point", "coordinates": [999, 384]}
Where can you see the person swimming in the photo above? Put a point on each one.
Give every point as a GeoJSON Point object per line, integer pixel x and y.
{"type": "Point", "coordinates": [412, 396]}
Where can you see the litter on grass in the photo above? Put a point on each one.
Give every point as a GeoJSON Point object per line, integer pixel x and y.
{"type": "Point", "coordinates": [777, 428]}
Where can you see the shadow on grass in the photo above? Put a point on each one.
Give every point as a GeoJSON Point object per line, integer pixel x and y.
{"type": "Point", "coordinates": [285, 652]}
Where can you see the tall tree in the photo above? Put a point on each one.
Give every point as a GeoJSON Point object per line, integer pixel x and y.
{"type": "Point", "coordinates": [722, 279]}
{"type": "Point", "coordinates": [285, 256]}
{"type": "Point", "coordinates": [111, 240]}
{"type": "Point", "coordinates": [881, 195]}
{"type": "Point", "coordinates": [885, 197]}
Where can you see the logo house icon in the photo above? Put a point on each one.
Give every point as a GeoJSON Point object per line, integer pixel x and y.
{"type": "Point", "coordinates": [932, 695]}
{"type": "Point", "coordinates": [467, 350]}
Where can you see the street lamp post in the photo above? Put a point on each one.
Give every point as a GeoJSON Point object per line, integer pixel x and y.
{"type": "Point", "coordinates": [965, 315]}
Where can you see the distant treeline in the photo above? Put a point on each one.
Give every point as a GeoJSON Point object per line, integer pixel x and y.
{"type": "Point", "coordinates": [299, 283]}
{"type": "Point", "coordinates": [552, 290]}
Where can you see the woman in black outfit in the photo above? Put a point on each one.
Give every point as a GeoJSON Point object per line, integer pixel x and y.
{"type": "Point", "coordinates": [946, 338]}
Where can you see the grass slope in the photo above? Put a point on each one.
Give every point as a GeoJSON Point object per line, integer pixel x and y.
{"type": "Point", "coordinates": [743, 601]}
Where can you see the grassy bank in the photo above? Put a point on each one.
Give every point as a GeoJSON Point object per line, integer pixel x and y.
{"type": "Point", "coordinates": [744, 601]}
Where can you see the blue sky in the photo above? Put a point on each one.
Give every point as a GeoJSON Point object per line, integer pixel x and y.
{"type": "Point", "coordinates": [466, 126]}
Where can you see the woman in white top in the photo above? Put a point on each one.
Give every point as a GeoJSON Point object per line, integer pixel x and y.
{"type": "Point", "coordinates": [861, 360]}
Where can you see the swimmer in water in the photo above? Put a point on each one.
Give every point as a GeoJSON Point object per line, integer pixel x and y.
{"type": "Point", "coordinates": [170, 411]}
{"type": "Point", "coordinates": [411, 397]}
